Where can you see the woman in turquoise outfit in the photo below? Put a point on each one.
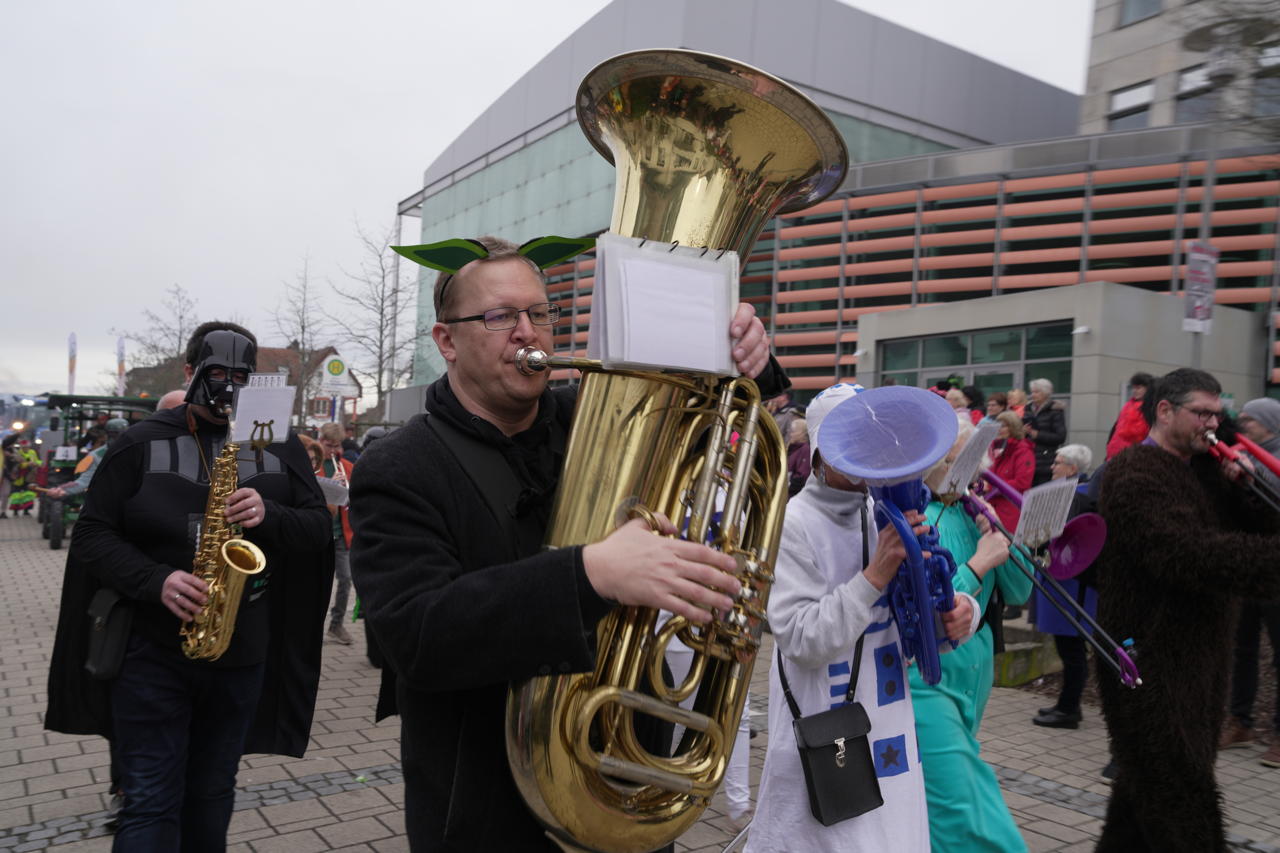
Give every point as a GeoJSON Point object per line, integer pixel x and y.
{"type": "Point", "coordinates": [966, 809]}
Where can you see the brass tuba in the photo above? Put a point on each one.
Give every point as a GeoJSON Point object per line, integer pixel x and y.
{"type": "Point", "coordinates": [708, 150]}
{"type": "Point", "coordinates": [222, 560]}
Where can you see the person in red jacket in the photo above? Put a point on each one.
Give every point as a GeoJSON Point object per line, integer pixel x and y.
{"type": "Point", "coordinates": [1130, 427]}
{"type": "Point", "coordinates": [1014, 461]}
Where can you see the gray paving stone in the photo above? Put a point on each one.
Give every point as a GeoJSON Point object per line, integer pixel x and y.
{"type": "Point", "coordinates": [1049, 777]}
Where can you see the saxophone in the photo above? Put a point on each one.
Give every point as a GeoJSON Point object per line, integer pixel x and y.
{"type": "Point", "coordinates": [223, 561]}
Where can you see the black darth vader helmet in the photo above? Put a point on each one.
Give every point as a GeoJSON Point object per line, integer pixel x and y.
{"type": "Point", "coordinates": [231, 352]}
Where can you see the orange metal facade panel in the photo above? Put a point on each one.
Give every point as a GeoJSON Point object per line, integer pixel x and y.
{"type": "Point", "coordinates": [817, 383]}
{"type": "Point", "coordinates": [1241, 295]}
{"type": "Point", "coordinates": [804, 339]}
{"type": "Point", "coordinates": [829, 316]}
{"type": "Point", "coordinates": [810, 360]}
{"type": "Point", "coordinates": [1102, 177]}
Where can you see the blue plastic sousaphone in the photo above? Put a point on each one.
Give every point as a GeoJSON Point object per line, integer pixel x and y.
{"type": "Point", "coordinates": [888, 438]}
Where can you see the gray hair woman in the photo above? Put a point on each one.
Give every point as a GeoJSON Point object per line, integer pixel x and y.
{"type": "Point", "coordinates": [1072, 460]}
{"type": "Point", "coordinates": [1069, 461]}
{"type": "Point", "coordinates": [1046, 423]}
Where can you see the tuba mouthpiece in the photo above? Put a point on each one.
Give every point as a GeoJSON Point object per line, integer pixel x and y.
{"type": "Point", "coordinates": [531, 360]}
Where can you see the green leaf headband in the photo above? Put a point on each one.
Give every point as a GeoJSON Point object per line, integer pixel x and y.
{"type": "Point", "coordinates": [452, 255]}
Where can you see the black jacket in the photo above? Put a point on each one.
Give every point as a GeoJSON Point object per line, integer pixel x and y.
{"type": "Point", "coordinates": [105, 550]}
{"type": "Point", "coordinates": [1050, 422]}
{"type": "Point", "coordinates": [460, 610]}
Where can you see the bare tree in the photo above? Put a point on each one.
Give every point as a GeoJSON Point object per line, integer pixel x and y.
{"type": "Point", "coordinates": [300, 319]}
{"type": "Point", "coordinates": [373, 305]}
{"type": "Point", "coordinates": [1241, 43]}
{"type": "Point", "coordinates": [157, 351]}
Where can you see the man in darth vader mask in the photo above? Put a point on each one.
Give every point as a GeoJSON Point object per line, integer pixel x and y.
{"type": "Point", "coordinates": [179, 726]}
{"type": "Point", "coordinates": [223, 364]}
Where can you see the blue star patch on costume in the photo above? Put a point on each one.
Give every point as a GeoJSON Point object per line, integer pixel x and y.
{"type": "Point", "coordinates": [889, 681]}
{"type": "Point", "coordinates": [890, 756]}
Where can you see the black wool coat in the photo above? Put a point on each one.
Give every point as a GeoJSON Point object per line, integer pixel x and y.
{"type": "Point", "coordinates": [296, 541]}
{"type": "Point", "coordinates": [1183, 546]}
{"type": "Point", "coordinates": [461, 610]}
{"type": "Point", "coordinates": [1050, 423]}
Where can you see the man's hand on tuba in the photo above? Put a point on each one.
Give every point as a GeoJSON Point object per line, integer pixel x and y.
{"type": "Point", "coordinates": [750, 345]}
{"type": "Point", "coordinates": [633, 566]}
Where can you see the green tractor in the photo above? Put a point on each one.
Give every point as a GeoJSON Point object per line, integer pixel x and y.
{"type": "Point", "coordinates": [77, 427]}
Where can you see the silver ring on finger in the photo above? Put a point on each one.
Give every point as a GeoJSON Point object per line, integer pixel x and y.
{"type": "Point", "coordinates": [177, 596]}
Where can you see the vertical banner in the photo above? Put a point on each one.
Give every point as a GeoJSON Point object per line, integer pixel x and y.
{"type": "Point", "coordinates": [1201, 284]}
{"type": "Point", "coordinates": [119, 367]}
{"type": "Point", "coordinates": [71, 363]}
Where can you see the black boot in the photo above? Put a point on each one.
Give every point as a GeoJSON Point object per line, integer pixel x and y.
{"type": "Point", "coordinates": [1056, 719]}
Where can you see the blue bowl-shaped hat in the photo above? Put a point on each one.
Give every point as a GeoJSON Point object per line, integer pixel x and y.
{"type": "Point", "coordinates": [888, 435]}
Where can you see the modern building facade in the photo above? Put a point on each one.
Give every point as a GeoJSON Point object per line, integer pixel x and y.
{"type": "Point", "coordinates": [966, 230]}
{"type": "Point", "coordinates": [1151, 63]}
{"type": "Point", "coordinates": [524, 169]}
{"type": "Point", "coordinates": [1043, 255]}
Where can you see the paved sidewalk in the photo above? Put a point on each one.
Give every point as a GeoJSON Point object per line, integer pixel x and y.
{"type": "Point", "coordinates": [347, 794]}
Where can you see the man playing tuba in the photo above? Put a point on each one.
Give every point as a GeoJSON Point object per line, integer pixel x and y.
{"type": "Point", "coordinates": [179, 726]}
{"type": "Point", "coordinates": [462, 602]}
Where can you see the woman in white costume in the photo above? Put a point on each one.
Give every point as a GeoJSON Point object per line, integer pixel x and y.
{"type": "Point", "coordinates": [826, 597]}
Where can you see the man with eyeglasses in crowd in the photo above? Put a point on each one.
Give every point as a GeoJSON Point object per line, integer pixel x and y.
{"type": "Point", "coordinates": [463, 603]}
{"type": "Point", "coordinates": [1185, 542]}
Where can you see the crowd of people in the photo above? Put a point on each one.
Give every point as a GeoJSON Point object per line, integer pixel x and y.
{"type": "Point", "coordinates": [438, 527]}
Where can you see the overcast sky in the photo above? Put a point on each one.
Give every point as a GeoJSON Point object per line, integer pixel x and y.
{"type": "Point", "coordinates": [147, 143]}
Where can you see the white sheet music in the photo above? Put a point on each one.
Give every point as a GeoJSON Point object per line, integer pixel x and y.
{"type": "Point", "coordinates": [658, 307]}
{"type": "Point", "coordinates": [965, 468]}
{"type": "Point", "coordinates": [268, 380]}
{"type": "Point", "coordinates": [1044, 512]}
{"type": "Point", "coordinates": [262, 412]}
{"type": "Point", "coordinates": [334, 492]}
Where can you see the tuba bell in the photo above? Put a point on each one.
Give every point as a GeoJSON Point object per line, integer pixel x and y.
{"type": "Point", "coordinates": [707, 150]}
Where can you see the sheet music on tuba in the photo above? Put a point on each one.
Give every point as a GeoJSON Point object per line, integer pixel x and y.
{"type": "Point", "coordinates": [1044, 512]}
{"type": "Point", "coordinates": [658, 306]}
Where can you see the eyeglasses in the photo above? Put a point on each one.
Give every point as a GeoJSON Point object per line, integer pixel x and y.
{"type": "Point", "coordinates": [1204, 414]}
{"type": "Point", "coordinates": [501, 319]}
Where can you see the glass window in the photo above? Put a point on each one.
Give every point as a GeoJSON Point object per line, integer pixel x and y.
{"type": "Point", "coordinates": [1193, 78]}
{"type": "Point", "coordinates": [901, 355]}
{"type": "Point", "coordinates": [989, 383]}
{"type": "Point", "coordinates": [905, 378]}
{"type": "Point", "coordinates": [1132, 96]}
{"type": "Point", "coordinates": [1048, 342]}
{"type": "Point", "coordinates": [952, 349]}
{"type": "Point", "coordinates": [1057, 372]}
{"type": "Point", "coordinates": [1136, 10]}
{"type": "Point", "coordinates": [1004, 345]}
{"type": "Point", "coordinates": [1266, 95]}
{"type": "Point", "coordinates": [1130, 121]}
{"type": "Point", "coordinates": [1191, 108]}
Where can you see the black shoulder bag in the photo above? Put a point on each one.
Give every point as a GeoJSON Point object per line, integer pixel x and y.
{"type": "Point", "coordinates": [110, 617]}
{"type": "Point", "coordinates": [835, 752]}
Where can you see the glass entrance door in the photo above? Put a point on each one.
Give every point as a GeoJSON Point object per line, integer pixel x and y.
{"type": "Point", "coordinates": [997, 377]}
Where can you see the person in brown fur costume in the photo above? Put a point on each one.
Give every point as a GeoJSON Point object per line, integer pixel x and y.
{"type": "Point", "coordinates": [1184, 543]}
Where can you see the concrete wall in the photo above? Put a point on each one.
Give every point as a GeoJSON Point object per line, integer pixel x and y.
{"type": "Point", "coordinates": [1130, 329]}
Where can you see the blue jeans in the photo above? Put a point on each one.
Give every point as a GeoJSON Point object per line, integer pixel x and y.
{"type": "Point", "coordinates": [180, 728]}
